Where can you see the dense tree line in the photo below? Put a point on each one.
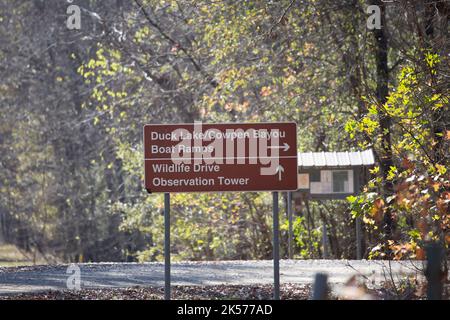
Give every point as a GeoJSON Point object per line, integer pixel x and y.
{"type": "Point", "coordinates": [73, 103]}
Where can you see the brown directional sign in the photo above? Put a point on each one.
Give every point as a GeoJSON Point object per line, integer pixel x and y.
{"type": "Point", "coordinates": [220, 157]}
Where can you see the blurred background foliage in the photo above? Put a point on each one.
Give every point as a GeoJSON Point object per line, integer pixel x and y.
{"type": "Point", "coordinates": [73, 104]}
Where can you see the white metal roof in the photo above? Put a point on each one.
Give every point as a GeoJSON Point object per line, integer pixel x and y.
{"type": "Point", "coordinates": [336, 159]}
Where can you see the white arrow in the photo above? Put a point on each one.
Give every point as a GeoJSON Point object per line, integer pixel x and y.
{"type": "Point", "coordinates": [285, 147]}
{"type": "Point", "coordinates": [279, 170]}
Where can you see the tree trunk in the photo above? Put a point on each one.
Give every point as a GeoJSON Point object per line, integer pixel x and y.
{"type": "Point", "coordinates": [385, 156]}
{"type": "Point", "coordinates": [436, 21]}
{"type": "Point", "coordinates": [2, 238]}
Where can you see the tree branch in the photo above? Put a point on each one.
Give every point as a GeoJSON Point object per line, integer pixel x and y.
{"type": "Point", "coordinates": [166, 36]}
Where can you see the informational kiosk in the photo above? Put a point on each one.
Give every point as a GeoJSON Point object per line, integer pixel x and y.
{"type": "Point", "coordinates": [332, 175]}
{"type": "Point", "coordinates": [228, 157]}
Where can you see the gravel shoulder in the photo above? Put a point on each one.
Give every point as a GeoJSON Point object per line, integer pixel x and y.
{"type": "Point", "coordinates": [22, 280]}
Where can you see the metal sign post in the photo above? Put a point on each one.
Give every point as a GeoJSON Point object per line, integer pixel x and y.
{"type": "Point", "coordinates": [290, 235]}
{"type": "Point", "coordinates": [358, 239]}
{"type": "Point", "coordinates": [276, 249]}
{"type": "Point", "coordinates": [167, 246]}
{"type": "Point", "coordinates": [325, 239]}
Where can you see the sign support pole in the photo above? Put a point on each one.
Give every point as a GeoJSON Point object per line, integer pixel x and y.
{"type": "Point", "coordinates": [276, 248]}
{"type": "Point", "coordinates": [358, 239]}
{"type": "Point", "coordinates": [167, 246]}
{"type": "Point", "coordinates": [325, 239]}
{"type": "Point", "coordinates": [289, 212]}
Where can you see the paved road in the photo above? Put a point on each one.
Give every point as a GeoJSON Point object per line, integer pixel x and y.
{"type": "Point", "coordinates": [122, 275]}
